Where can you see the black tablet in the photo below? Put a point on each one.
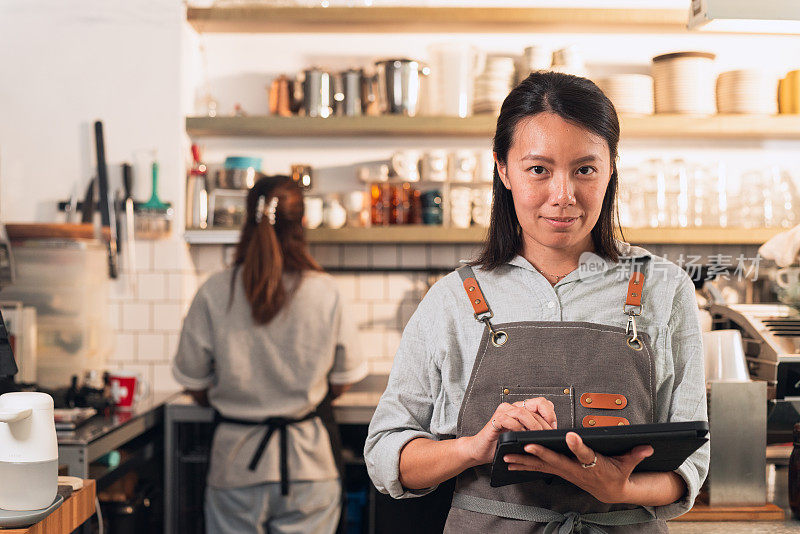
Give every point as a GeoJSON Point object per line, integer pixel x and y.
{"type": "Point", "coordinates": [672, 443]}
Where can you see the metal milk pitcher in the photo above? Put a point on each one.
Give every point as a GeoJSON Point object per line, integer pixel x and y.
{"type": "Point", "coordinates": [399, 85]}
{"type": "Point", "coordinates": [347, 93]}
{"type": "Point", "coordinates": [317, 93]}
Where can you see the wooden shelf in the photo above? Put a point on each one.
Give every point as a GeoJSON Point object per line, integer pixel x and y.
{"type": "Point", "coordinates": [400, 234]}
{"type": "Point", "coordinates": [405, 234]}
{"type": "Point", "coordinates": [700, 236]}
{"type": "Point", "coordinates": [266, 19]}
{"type": "Point", "coordinates": [421, 234]}
{"type": "Point", "coordinates": [654, 126]}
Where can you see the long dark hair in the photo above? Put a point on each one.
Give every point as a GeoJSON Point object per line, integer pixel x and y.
{"type": "Point", "coordinates": [578, 101]}
{"type": "Point", "coordinates": [271, 245]}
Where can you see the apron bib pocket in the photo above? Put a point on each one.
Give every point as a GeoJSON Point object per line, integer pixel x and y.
{"type": "Point", "coordinates": [562, 398]}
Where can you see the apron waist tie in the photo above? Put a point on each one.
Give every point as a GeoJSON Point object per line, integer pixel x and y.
{"type": "Point", "coordinates": [557, 523]}
{"type": "Point", "coordinates": [272, 424]}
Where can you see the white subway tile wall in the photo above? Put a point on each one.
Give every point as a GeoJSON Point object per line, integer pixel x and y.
{"type": "Point", "coordinates": [382, 285]}
{"type": "Point", "coordinates": [146, 308]}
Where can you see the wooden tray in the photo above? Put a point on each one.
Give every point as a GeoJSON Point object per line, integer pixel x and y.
{"type": "Point", "coordinates": [75, 510]}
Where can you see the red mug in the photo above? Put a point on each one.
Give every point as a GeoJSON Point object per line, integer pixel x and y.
{"type": "Point", "coordinates": [127, 387]}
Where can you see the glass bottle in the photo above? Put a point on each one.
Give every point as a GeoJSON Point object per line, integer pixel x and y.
{"type": "Point", "coordinates": [654, 189]}
{"type": "Point", "coordinates": [794, 473]}
{"type": "Point", "coordinates": [677, 194]}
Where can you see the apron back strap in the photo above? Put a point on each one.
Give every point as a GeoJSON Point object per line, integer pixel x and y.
{"type": "Point", "coordinates": [556, 522]}
{"type": "Point", "coordinates": [272, 424]}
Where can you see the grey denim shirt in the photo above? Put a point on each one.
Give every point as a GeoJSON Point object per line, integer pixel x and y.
{"type": "Point", "coordinates": [434, 360]}
{"type": "Point", "coordinates": [279, 369]}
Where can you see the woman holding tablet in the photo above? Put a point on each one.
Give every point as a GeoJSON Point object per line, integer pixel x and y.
{"type": "Point", "coordinates": [556, 325]}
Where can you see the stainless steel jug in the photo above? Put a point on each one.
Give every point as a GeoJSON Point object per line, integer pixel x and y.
{"type": "Point", "coordinates": [347, 94]}
{"type": "Point", "coordinates": [317, 93]}
{"type": "Point", "coordinates": [399, 85]}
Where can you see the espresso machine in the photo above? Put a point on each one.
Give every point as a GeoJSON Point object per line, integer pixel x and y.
{"type": "Point", "coordinates": [771, 337]}
{"type": "Point", "coordinates": [742, 413]}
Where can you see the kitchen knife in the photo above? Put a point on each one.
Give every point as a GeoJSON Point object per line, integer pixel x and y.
{"type": "Point", "coordinates": [130, 255]}
{"type": "Point", "coordinates": [107, 207]}
{"type": "Point", "coordinates": [87, 207]}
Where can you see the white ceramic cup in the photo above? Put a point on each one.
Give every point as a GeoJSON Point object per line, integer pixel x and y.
{"type": "Point", "coordinates": [406, 165]}
{"type": "Point", "coordinates": [434, 166]}
{"type": "Point", "coordinates": [334, 214]}
{"type": "Point", "coordinates": [724, 356]}
{"type": "Point", "coordinates": [788, 277]}
{"type": "Point", "coordinates": [460, 207]}
{"type": "Point", "coordinates": [463, 166]}
{"type": "Point", "coordinates": [313, 212]}
{"type": "Point", "coordinates": [485, 169]}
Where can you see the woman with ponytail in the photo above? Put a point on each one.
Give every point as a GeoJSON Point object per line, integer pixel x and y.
{"type": "Point", "coordinates": [267, 344]}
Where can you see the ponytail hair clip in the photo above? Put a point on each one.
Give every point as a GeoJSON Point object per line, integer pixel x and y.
{"type": "Point", "coordinates": [270, 210]}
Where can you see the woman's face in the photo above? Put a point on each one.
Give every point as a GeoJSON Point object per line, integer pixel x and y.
{"type": "Point", "coordinates": [557, 173]}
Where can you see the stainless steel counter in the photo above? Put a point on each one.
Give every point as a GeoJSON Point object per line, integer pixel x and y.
{"type": "Point", "coordinates": [106, 432]}
{"type": "Point", "coordinates": [101, 425]}
{"type": "Point", "coordinates": [357, 405]}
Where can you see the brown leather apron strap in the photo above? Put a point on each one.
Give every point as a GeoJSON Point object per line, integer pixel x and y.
{"type": "Point", "coordinates": [483, 313]}
{"type": "Point", "coordinates": [473, 289]}
{"type": "Point", "coordinates": [633, 298]}
{"type": "Point", "coordinates": [604, 420]}
{"type": "Point", "coordinates": [604, 401]}
{"type": "Point", "coordinates": [633, 301]}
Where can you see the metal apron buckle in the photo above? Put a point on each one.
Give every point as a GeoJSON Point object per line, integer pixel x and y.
{"type": "Point", "coordinates": [633, 334]}
{"type": "Point", "coordinates": [497, 337]}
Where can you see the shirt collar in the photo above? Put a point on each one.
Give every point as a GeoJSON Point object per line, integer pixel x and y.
{"type": "Point", "coordinates": [599, 265]}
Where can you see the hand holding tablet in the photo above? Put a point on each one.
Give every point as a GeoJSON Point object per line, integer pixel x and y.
{"type": "Point", "coordinates": [671, 444]}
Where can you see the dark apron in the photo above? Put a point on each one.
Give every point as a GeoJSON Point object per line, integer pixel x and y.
{"type": "Point", "coordinates": [325, 412]}
{"type": "Point", "coordinates": [595, 375]}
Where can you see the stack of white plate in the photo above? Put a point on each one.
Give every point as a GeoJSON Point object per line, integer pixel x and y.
{"type": "Point", "coordinates": [569, 61]}
{"type": "Point", "coordinates": [533, 59]}
{"type": "Point", "coordinates": [630, 93]}
{"type": "Point", "coordinates": [493, 84]}
{"type": "Point", "coordinates": [684, 83]}
{"type": "Point", "coordinates": [749, 91]}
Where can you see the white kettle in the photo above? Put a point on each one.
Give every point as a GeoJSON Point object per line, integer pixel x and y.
{"type": "Point", "coordinates": [28, 451]}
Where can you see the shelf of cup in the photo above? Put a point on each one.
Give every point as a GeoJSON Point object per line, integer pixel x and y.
{"type": "Point", "coordinates": [433, 234]}
{"type": "Point", "coordinates": [631, 126]}
{"type": "Point", "coordinates": [255, 19]}
{"type": "Point", "coordinates": [431, 184]}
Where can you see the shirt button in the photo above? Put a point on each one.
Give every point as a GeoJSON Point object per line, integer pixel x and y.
{"type": "Point", "coordinates": [551, 304]}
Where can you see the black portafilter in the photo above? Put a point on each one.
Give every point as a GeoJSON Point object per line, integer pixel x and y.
{"type": "Point", "coordinates": [8, 365]}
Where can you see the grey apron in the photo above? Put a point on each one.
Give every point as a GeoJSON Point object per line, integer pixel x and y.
{"type": "Point", "coordinates": [595, 375]}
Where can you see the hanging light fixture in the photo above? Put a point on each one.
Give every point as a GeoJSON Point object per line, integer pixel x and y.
{"type": "Point", "coordinates": [746, 16]}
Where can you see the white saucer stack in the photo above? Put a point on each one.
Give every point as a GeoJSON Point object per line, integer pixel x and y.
{"type": "Point", "coordinates": [630, 93]}
{"type": "Point", "coordinates": [749, 91]}
{"type": "Point", "coordinates": [493, 84]}
{"type": "Point", "coordinates": [684, 83]}
{"type": "Point", "coordinates": [533, 59]}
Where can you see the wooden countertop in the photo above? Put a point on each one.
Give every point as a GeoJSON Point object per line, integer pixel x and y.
{"type": "Point", "coordinates": [72, 513]}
